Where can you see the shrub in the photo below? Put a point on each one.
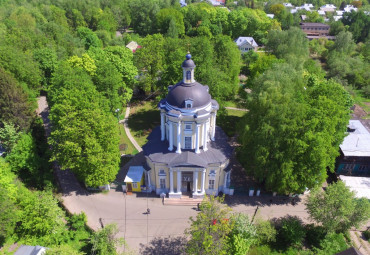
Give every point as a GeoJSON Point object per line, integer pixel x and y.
{"type": "Point", "coordinates": [291, 232]}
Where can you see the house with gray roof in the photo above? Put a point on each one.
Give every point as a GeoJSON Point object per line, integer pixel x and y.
{"type": "Point", "coordinates": [355, 151]}
{"type": "Point", "coordinates": [246, 44]}
{"type": "Point", "coordinates": [187, 154]}
{"type": "Point", "coordinates": [30, 250]}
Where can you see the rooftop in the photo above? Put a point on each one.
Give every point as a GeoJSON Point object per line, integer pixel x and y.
{"type": "Point", "coordinates": [218, 151]}
{"type": "Point", "coordinates": [357, 143]}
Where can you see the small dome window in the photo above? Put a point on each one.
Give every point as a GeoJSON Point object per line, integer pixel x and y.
{"type": "Point", "coordinates": [188, 103]}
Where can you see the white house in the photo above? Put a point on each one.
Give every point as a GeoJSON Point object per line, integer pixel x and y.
{"type": "Point", "coordinates": [350, 8]}
{"type": "Point", "coordinates": [328, 8]}
{"type": "Point", "coordinates": [246, 44]}
{"type": "Point", "coordinates": [188, 154]}
{"type": "Point", "coordinates": [288, 5]}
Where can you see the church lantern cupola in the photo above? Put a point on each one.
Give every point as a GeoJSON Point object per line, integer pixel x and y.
{"type": "Point", "coordinates": [188, 70]}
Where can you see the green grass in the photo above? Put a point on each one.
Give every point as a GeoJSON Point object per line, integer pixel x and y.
{"type": "Point", "coordinates": [362, 101]}
{"type": "Point", "coordinates": [143, 118]}
{"type": "Point", "coordinates": [130, 149]}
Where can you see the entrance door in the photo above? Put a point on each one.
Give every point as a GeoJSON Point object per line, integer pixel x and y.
{"type": "Point", "coordinates": [129, 187]}
{"type": "Point", "coordinates": [188, 189]}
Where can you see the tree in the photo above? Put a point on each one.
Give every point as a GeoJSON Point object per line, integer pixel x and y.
{"type": "Point", "coordinates": [9, 136]}
{"type": "Point", "coordinates": [88, 38]}
{"type": "Point", "coordinates": [336, 208]}
{"type": "Point", "coordinates": [208, 232]}
{"type": "Point", "coordinates": [242, 236]}
{"type": "Point", "coordinates": [291, 232]}
{"type": "Point", "coordinates": [15, 105]}
{"type": "Point", "coordinates": [84, 135]}
{"type": "Point", "coordinates": [40, 218]}
{"type": "Point", "coordinates": [290, 45]}
{"type": "Point", "coordinates": [63, 250]}
{"type": "Point", "coordinates": [104, 241]}
{"type": "Point", "coordinates": [170, 15]}
{"type": "Point", "coordinates": [143, 15]}
{"type": "Point", "coordinates": [172, 29]}
{"type": "Point", "coordinates": [149, 60]}
{"type": "Point", "coordinates": [294, 127]}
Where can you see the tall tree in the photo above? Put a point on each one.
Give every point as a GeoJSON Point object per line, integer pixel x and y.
{"type": "Point", "coordinates": [15, 105]}
{"type": "Point", "coordinates": [143, 14]}
{"type": "Point", "coordinates": [84, 135]}
{"type": "Point", "coordinates": [336, 208]}
{"type": "Point", "coordinates": [208, 232]}
{"type": "Point", "coordinates": [293, 129]}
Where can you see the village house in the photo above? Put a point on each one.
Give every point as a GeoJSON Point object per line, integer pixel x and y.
{"type": "Point", "coordinates": [316, 30]}
{"type": "Point", "coordinates": [246, 44]}
{"type": "Point", "coordinates": [355, 151]}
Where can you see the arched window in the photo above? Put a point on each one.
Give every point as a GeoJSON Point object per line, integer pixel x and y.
{"type": "Point", "coordinates": [188, 75]}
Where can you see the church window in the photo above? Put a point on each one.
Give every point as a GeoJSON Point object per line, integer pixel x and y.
{"type": "Point", "coordinates": [134, 185]}
{"type": "Point", "coordinates": [187, 127]}
{"type": "Point", "coordinates": [187, 142]}
{"type": "Point", "coordinates": [162, 183]}
{"type": "Point", "coordinates": [189, 103]}
{"type": "Point", "coordinates": [211, 184]}
{"type": "Point", "coordinates": [162, 173]}
{"type": "Point", "coordinates": [188, 75]}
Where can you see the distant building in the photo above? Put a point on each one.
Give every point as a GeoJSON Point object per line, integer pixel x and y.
{"type": "Point", "coordinates": [350, 8]}
{"type": "Point", "coordinates": [133, 46]}
{"type": "Point", "coordinates": [355, 151]}
{"type": "Point", "coordinates": [30, 250]}
{"type": "Point", "coordinates": [271, 16]}
{"type": "Point", "coordinates": [246, 44]}
{"type": "Point", "coordinates": [183, 3]}
{"type": "Point", "coordinates": [316, 30]}
{"type": "Point", "coordinates": [217, 2]}
{"type": "Point", "coordinates": [288, 5]}
{"type": "Point", "coordinates": [328, 8]}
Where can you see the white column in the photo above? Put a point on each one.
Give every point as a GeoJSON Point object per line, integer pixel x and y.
{"type": "Point", "coordinates": [179, 181]}
{"type": "Point", "coordinates": [197, 138]}
{"type": "Point", "coordinates": [213, 126]}
{"type": "Point", "coordinates": [162, 127]}
{"type": "Point", "coordinates": [205, 136]}
{"type": "Point", "coordinates": [178, 137]}
{"type": "Point", "coordinates": [171, 180]}
{"type": "Point", "coordinates": [203, 180]}
{"type": "Point", "coordinates": [195, 182]}
{"type": "Point", "coordinates": [225, 181]}
{"type": "Point", "coordinates": [149, 185]}
{"type": "Point", "coordinates": [170, 135]}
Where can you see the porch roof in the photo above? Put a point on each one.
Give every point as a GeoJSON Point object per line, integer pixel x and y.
{"type": "Point", "coordinates": [134, 174]}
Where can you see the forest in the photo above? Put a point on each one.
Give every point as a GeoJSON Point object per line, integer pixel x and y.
{"type": "Point", "coordinates": [75, 53]}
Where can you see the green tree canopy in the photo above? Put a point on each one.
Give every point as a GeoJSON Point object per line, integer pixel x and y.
{"type": "Point", "coordinates": [15, 105]}
{"type": "Point", "coordinates": [336, 208]}
{"type": "Point", "coordinates": [208, 232]}
{"type": "Point", "coordinates": [293, 129]}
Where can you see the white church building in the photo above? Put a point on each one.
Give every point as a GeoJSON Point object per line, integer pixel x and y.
{"type": "Point", "coordinates": [188, 154]}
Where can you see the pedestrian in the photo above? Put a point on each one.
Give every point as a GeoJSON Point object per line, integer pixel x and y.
{"type": "Point", "coordinates": [147, 211]}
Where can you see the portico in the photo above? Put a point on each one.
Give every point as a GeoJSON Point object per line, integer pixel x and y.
{"type": "Point", "coordinates": [189, 184]}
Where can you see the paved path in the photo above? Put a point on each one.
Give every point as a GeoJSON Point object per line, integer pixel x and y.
{"type": "Point", "coordinates": [236, 109]}
{"type": "Point", "coordinates": [127, 130]}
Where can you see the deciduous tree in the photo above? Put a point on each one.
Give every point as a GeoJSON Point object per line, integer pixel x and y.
{"type": "Point", "coordinates": [336, 208]}
{"type": "Point", "coordinates": [209, 230]}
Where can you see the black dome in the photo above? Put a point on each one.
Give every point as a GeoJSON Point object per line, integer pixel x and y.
{"type": "Point", "coordinates": [194, 91]}
{"type": "Point", "coordinates": [188, 63]}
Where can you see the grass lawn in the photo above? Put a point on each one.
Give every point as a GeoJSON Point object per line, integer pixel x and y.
{"type": "Point", "coordinates": [229, 124]}
{"type": "Point", "coordinates": [126, 146]}
{"type": "Point", "coordinates": [143, 118]}
{"type": "Point", "coordinates": [362, 101]}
